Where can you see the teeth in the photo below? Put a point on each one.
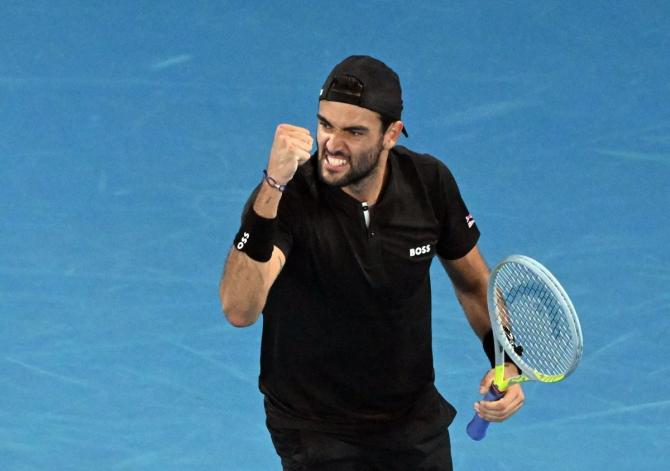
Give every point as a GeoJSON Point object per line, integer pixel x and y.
{"type": "Point", "coordinates": [335, 162]}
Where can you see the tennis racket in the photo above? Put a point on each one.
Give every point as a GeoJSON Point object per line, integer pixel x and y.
{"type": "Point", "coordinates": [534, 323]}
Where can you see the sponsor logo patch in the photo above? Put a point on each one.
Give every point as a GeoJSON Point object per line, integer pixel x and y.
{"type": "Point", "coordinates": [422, 250]}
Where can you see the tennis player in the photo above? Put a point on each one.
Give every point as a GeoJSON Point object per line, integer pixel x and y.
{"type": "Point", "coordinates": [334, 249]}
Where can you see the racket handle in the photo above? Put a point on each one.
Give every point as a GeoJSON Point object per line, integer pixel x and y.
{"type": "Point", "coordinates": [477, 427]}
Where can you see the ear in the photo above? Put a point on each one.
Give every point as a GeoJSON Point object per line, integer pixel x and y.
{"type": "Point", "coordinates": [392, 134]}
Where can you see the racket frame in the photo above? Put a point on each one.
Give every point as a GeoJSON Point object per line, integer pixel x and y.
{"type": "Point", "coordinates": [501, 341]}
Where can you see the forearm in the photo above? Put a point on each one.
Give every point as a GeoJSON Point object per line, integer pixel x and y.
{"type": "Point", "coordinates": [473, 302]}
{"type": "Point", "coordinates": [470, 276]}
{"type": "Point", "coordinates": [245, 285]}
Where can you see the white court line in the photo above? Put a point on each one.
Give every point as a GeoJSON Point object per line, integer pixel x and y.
{"type": "Point", "coordinates": [50, 374]}
{"type": "Point", "coordinates": [172, 61]}
{"type": "Point", "coordinates": [600, 414]}
{"type": "Point", "coordinates": [232, 371]}
{"type": "Point", "coordinates": [620, 339]}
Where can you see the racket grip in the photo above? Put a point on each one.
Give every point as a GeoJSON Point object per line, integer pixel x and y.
{"type": "Point", "coordinates": [477, 427]}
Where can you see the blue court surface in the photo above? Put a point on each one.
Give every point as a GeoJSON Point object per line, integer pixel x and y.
{"type": "Point", "coordinates": [132, 132]}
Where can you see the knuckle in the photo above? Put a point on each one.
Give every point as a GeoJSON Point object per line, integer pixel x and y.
{"type": "Point", "coordinates": [283, 139]}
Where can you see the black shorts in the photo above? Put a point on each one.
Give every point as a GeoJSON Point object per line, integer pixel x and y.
{"type": "Point", "coordinates": [306, 450]}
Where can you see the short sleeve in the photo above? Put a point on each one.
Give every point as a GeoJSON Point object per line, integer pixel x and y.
{"type": "Point", "coordinates": [459, 232]}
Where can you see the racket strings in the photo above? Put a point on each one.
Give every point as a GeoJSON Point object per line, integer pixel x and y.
{"type": "Point", "coordinates": [534, 320]}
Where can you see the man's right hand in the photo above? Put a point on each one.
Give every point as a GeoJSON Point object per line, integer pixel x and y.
{"type": "Point", "coordinates": [292, 147]}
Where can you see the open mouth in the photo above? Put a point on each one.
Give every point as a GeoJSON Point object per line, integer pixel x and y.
{"type": "Point", "coordinates": [334, 163]}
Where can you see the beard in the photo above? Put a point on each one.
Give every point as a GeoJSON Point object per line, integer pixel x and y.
{"type": "Point", "coordinates": [361, 165]}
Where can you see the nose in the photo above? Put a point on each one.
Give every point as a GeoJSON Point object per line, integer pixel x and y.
{"type": "Point", "coordinates": [334, 143]}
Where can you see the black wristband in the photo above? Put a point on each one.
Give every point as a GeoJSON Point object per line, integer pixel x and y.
{"type": "Point", "coordinates": [256, 236]}
{"type": "Point", "coordinates": [489, 349]}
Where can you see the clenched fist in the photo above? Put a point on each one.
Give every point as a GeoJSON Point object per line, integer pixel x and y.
{"type": "Point", "coordinates": [291, 147]}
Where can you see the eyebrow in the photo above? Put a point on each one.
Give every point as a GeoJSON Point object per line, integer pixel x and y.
{"type": "Point", "coordinates": [357, 128]}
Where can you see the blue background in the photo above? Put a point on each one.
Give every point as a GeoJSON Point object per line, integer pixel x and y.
{"type": "Point", "coordinates": [131, 133]}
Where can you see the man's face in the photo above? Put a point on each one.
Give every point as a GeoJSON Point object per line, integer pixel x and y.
{"type": "Point", "coordinates": [350, 141]}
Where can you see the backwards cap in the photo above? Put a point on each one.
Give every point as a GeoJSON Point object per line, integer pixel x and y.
{"type": "Point", "coordinates": [375, 86]}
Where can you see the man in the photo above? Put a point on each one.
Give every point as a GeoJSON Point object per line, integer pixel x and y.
{"type": "Point", "coordinates": [335, 250]}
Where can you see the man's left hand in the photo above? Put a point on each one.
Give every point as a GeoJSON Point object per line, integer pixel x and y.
{"type": "Point", "coordinates": [505, 407]}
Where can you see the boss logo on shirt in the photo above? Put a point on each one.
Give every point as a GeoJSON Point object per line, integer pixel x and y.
{"type": "Point", "coordinates": [424, 249]}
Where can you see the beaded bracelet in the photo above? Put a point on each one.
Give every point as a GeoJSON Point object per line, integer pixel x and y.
{"type": "Point", "coordinates": [272, 182]}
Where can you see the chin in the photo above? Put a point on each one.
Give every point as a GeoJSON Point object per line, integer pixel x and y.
{"type": "Point", "coordinates": [328, 180]}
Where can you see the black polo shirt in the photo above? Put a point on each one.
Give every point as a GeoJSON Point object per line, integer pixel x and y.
{"type": "Point", "coordinates": [347, 324]}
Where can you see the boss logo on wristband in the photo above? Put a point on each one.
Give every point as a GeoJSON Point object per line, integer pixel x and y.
{"type": "Point", "coordinates": [243, 241]}
{"type": "Point", "coordinates": [260, 246]}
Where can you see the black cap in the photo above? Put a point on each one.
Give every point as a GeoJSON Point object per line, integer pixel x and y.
{"type": "Point", "coordinates": [366, 82]}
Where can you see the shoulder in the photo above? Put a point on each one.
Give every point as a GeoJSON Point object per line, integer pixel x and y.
{"type": "Point", "coordinates": [432, 171]}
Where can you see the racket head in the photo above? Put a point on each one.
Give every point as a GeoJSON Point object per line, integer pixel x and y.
{"type": "Point", "coordinates": [533, 320]}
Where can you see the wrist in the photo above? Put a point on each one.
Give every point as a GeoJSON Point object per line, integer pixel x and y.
{"type": "Point", "coordinates": [269, 194]}
{"type": "Point", "coordinates": [489, 348]}
{"type": "Point", "coordinates": [267, 201]}
{"type": "Point", "coordinates": [256, 236]}
{"type": "Point", "coordinates": [273, 183]}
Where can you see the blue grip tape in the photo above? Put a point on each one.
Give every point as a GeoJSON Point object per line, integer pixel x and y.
{"type": "Point", "coordinates": [477, 427]}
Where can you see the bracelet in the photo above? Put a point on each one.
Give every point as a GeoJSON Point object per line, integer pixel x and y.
{"type": "Point", "coordinates": [272, 182]}
{"type": "Point", "coordinates": [256, 236]}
